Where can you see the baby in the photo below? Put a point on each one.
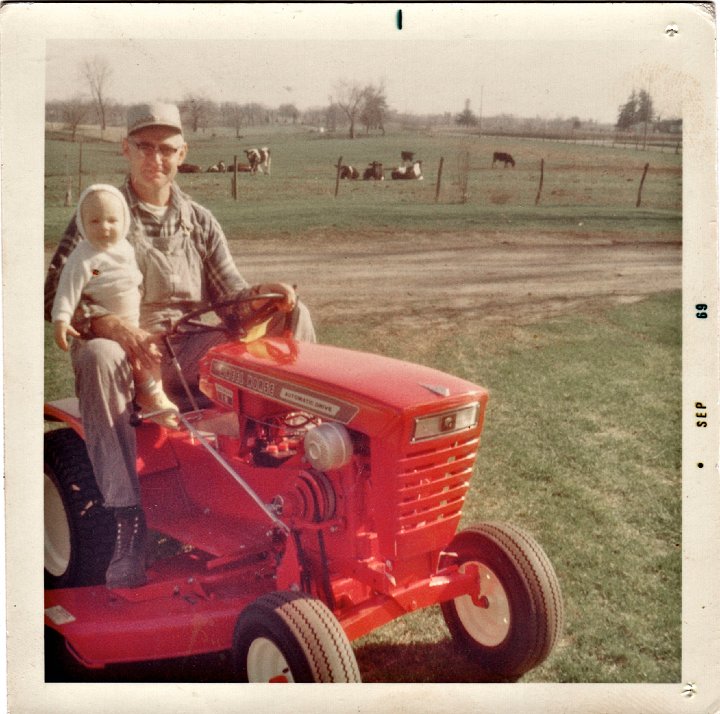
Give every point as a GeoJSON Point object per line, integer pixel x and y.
{"type": "Point", "coordinates": [103, 268]}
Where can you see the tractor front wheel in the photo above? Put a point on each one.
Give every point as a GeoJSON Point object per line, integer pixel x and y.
{"type": "Point", "coordinates": [511, 623]}
{"type": "Point", "coordinates": [79, 531]}
{"type": "Point", "coordinates": [289, 637]}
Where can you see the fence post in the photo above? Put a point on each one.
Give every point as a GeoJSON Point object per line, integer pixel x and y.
{"type": "Point", "coordinates": [337, 176]}
{"type": "Point", "coordinates": [542, 171]}
{"type": "Point", "coordinates": [234, 178]}
{"type": "Point", "coordinates": [642, 181]}
{"type": "Point", "coordinates": [80, 169]}
{"type": "Point", "coordinates": [463, 171]}
{"type": "Point", "coordinates": [439, 177]}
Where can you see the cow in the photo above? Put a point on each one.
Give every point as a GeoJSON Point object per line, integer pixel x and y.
{"type": "Point", "coordinates": [241, 168]}
{"type": "Point", "coordinates": [505, 158]}
{"type": "Point", "coordinates": [219, 167]}
{"type": "Point", "coordinates": [408, 172]}
{"type": "Point", "coordinates": [349, 172]}
{"type": "Point", "coordinates": [189, 169]}
{"type": "Point", "coordinates": [407, 156]}
{"type": "Point", "coordinates": [374, 171]}
{"type": "Point", "coordinates": [259, 159]}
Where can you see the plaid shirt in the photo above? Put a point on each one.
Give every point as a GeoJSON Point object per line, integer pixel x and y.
{"type": "Point", "coordinates": [184, 258]}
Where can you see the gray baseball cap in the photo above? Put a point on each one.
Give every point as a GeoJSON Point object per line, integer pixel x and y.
{"type": "Point", "coordinates": [141, 116]}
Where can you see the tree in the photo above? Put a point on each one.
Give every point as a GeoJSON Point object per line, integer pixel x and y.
{"type": "Point", "coordinates": [637, 109]}
{"type": "Point", "coordinates": [289, 111]}
{"type": "Point", "coordinates": [97, 72]}
{"type": "Point", "coordinates": [627, 112]}
{"type": "Point", "coordinates": [73, 111]}
{"type": "Point", "coordinates": [315, 116]}
{"type": "Point", "coordinates": [332, 116]}
{"type": "Point", "coordinates": [254, 113]}
{"type": "Point", "coordinates": [374, 108]}
{"type": "Point", "coordinates": [198, 109]}
{"type": "Point", "coordinates": [232, 115]}
{"type": "Point", "coordinates": [466, 117]}
{"type": "Point", "coordinates": [349, 97]}
{"type": "Point", "coordinates": [645, 111]}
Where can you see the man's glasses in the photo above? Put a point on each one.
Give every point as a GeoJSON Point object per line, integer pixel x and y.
{"type": "Point", "coordinates": [148, 149]}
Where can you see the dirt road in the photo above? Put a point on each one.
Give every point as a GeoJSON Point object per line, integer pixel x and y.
{"type": "Point", "coordinates": [471, 277]}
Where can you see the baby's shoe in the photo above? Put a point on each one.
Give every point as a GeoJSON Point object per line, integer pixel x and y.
{"type": "Point", "coordinates": [157, 401]}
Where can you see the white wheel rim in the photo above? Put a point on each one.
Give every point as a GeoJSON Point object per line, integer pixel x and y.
{"type": "Point", "coordinates": [488, 622]}
{"type": "Point", "coordinates": [266, 663]}
{"type": "Point", "coordinates": [57, 531]}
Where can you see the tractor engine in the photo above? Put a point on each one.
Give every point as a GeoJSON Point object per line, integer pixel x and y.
{"type": "Point", "coordinates": [367, 459]}
{"type": "Point", "coordinates": [308, 493]}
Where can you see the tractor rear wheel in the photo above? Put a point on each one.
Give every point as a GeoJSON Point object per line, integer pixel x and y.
{"type": "Point", "coordinates": [79, 531]}
{"type": "Point", "coordinates": [513, 621]}
{"type": "Point", "coordinates": [289, 637]}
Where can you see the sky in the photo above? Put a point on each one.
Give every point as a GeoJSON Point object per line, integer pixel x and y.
{"type": "Point", "coordinates": [538, 63]}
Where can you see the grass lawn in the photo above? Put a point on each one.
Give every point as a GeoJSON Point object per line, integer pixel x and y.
{"type": "Point", "coordinates": [582, 448]}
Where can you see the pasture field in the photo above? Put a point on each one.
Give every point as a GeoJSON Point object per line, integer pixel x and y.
{"type": "Point", "coordinates": [585, 187]}
{"type": "Point", "coordinates": [569, 312]}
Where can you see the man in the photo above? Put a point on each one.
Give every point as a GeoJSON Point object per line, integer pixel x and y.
{"type": "Point", "coordinates": [185, 261]}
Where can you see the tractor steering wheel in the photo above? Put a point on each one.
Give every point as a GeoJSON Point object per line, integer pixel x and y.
{"type": "Point", "coordinates": [192, 323]}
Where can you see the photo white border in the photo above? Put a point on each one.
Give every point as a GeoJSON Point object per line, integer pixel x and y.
{"type": "Point", "coordinates": [24, 29]}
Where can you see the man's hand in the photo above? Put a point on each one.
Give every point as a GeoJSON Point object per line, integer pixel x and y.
{"type": "Point", "coordinates": [287, 305]}
{"type": "Point", "coordinates": [140, 346]}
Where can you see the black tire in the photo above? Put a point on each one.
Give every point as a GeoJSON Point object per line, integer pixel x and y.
{"type": "Point", "coordinates": [289, 637]}
{"type": "Point", "coordinates": [513, 625]}
{"type": "Point", "coordinates": [79, 531]}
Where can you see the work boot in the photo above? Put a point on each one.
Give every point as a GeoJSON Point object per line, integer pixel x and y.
{"type": "Point", "coordinates": [127, 565]}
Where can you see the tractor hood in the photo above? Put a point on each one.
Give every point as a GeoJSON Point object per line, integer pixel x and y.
{"type": "Point", "coordinates": [329, 381]}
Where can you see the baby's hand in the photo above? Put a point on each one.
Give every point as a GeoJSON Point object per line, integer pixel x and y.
{"type": "Point", "coordinates": [155, 352]}
{"type": "Point", "coordinates": [61, 332]}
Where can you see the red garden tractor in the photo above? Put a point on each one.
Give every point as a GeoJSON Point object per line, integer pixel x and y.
{"type": "Point", "coordinates": [315, 500]}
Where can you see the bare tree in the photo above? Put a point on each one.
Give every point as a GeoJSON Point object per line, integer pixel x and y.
{"type": "Point", "coordinates": [198, 109]}
{"type": "Point", "coordinates": [97, 72]}
{"type": "Point", "coordinates": [349, 96]}
{"type": "Point", "coordinates": [232, 115]}
{"type": "Point", "coordinates": [254, 113]}
{"type": "Point", "coordinates": [73, 111]}
{"type": "Point", "coordinates": [315, 116]}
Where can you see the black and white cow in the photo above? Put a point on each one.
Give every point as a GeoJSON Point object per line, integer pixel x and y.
{"type": "Point", "coordinates": [349, 172]}
{"type": "Point", "coordinates": [414, 171]}
{"type": "Point", "coordinates": [219, 167]}
{"type": "Point", "coordinates": [259, 159]}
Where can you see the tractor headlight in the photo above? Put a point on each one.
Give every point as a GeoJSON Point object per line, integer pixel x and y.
{"type": "Point", "coordinates": [428, 427]}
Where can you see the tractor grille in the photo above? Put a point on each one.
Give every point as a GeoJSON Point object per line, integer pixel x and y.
{"type": "Point", "coordinates": [430, 488]}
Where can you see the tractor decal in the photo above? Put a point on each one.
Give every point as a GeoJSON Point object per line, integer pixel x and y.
{"type": "Point", "coordinates": [285, 392]}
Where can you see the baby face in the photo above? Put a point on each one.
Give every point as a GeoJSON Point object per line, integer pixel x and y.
{"type": "Point", "coordinates": [103, 218]}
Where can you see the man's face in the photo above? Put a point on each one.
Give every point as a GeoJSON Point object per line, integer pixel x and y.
{"type": "Point", "coordinates": [154, 154]}
{"type": "Point", "coordinates": [103, 219]}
